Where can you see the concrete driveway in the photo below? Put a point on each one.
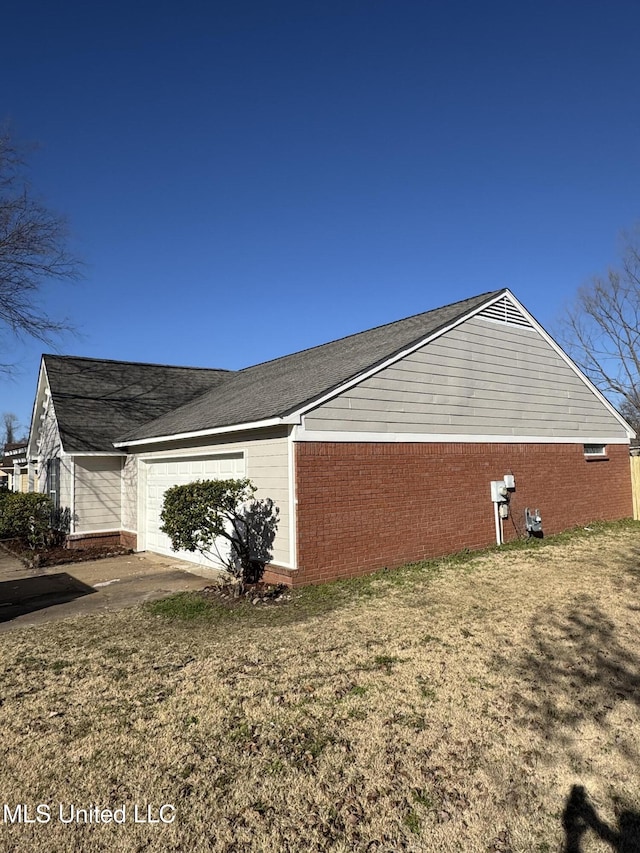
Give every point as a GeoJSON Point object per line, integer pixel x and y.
{"type": "Point", "coordinates": [31, 597]}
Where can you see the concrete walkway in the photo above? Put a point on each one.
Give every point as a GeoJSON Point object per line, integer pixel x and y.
{"type": "Point", "coordinates": [31, 597]}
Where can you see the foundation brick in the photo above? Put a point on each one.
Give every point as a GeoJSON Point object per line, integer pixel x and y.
{"type": "Point", "coordinates": [117, 537]}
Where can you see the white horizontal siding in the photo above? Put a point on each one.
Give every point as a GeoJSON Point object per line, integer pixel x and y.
{"type": "Point", "coordinates": [482, 378]}
{"type": "Point", "coordinates": [97, 493]}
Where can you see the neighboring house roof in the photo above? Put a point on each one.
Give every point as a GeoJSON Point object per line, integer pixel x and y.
{"type": "Point", "coordinates": [96, 400]}
{"type": "Point", "coordinates": [14, 452]}
{"type": "Point", "coordinates": [15, 448]}
{"type": "Point", "coordinates": [279, 387]}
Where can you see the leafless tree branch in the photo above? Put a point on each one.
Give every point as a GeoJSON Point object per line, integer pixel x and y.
{"type": "Point", "coordinates": [33, 250]}
{"type": "Point", "coordinates": [601, 330]}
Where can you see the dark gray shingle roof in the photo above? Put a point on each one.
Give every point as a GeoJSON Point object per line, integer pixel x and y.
{"type": "Point", "coordinates": [97, 400]}
{"type": "Point", "coordinates": [277, 388]}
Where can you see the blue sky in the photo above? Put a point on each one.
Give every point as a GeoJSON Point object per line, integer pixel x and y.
{"type": "Point", "coordinates": [247, 179]}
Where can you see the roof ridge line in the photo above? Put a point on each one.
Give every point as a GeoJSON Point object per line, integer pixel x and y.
{"type": "Point", "coordinates": [372, 329]}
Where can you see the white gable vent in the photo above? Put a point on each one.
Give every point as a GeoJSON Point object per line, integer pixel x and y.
{"type": "Point", "coordinates": [504, 311]}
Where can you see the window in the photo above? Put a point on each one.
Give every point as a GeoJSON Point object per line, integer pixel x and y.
{"type": "Point", "coordinates": [53, 481]}
{"type": "Point", "coordinates": [595, 449]}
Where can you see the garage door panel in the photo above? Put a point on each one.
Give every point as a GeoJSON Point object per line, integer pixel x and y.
{"type": "Point", "coordinates": [162, 475]}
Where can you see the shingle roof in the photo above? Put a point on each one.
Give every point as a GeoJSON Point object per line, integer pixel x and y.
{"type": "Point", "coordinates": [277, 388]}
{"type": "Point", "coordinates": [96, 400]}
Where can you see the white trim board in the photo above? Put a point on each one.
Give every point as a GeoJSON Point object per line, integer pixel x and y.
{"type": "Point", "coordinates": [189, 455]}
{"type": "Point", "coordinates": [183, 436]}
{"type": "Point", "coordinates": [41, 385]}
{"type": "Point", "coordinates": [76, 534]}
{"type": "Point", "coordinates": [445, 438]}
{"type": "Point", "coordinates": [293, 500]}
{"type": "Point", "coordinates": [72, 496]}
{"type": "Point", "coordinates": [282, 565]}
{"type": "Point", "coordinates": [95, 453]}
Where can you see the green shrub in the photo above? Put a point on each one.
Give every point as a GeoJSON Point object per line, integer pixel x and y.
{"type": "Point", "coordinates": [223, 519]}
{"type": "Point", "coordinates": [25, 516]}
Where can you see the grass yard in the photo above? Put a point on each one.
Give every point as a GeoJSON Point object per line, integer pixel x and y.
{"type": "Point", "coordinates": [485, 703]}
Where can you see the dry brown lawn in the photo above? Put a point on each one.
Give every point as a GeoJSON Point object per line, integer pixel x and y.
{"type": "Point", "coordinates": [491, 704]}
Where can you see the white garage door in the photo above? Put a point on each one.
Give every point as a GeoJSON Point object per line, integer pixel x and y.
{"type": "Point", "coordinates": [162, 474]}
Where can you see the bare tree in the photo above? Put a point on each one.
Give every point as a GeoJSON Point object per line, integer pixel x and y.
{"type": "Point", "coordinates": [10, 426]}
{"type": "Point", "coordinates": [33, 250]}
{"type": "Point", "coordinates": [601, 330]}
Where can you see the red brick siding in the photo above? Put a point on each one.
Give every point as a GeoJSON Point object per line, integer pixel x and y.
{"type": "Point", "coordinates": [278, 575]}
{"type": "Point", "coordinates": [128, 539]}
{"type": "Point", "coordinates": [87, 540]}
{"type": "Point", "coordinates": [365, 506]}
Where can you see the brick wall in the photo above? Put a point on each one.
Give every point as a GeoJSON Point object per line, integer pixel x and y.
{"type": "Point", "coordinates": [279, 575]}
{"type": "Point", "coordinates": [129, 540]}
{"type": "Point", "coordinates": [365, 506]}
{"type": "Point", "coordinates": [88, 540]}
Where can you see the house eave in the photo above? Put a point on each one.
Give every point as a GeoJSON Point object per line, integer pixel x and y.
{"type": "Point", "coordinates": [77, 453]}
{"type": "Point", "coordinates": [42, 392]}
{"type": "Point", "coordinates": [204, 433]}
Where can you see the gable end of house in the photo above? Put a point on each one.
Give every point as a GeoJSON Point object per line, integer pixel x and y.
{"type": "Point", "coordinates": [494, 376]}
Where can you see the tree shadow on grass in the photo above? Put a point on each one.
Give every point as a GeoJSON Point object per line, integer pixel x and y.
{"type": "Point", "coordinates": [576, 670]}
{"type": "Point", "coordinates": [580, 819]}
{"type": "Point", "coordinates": [578, 676]}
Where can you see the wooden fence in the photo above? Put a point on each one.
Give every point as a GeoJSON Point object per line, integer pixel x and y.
{"type": "Point", "coordinates": [635, 485]}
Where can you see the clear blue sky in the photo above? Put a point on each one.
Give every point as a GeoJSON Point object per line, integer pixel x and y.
{"type": "Point", "coordinates": [246, 179]}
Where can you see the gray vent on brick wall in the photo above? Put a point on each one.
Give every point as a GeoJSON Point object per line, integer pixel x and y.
{"type": "Point", "coordinates": [504, 311]}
